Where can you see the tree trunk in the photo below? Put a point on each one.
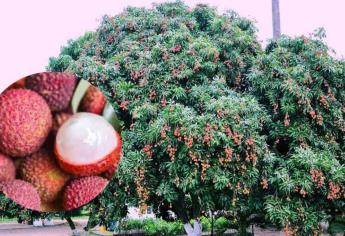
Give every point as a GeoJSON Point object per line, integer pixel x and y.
{"type": "Point", "coordinates": [196, 230]}
{"type": "Point", "coordinates": [72, 226]}
{"type": "Point", "coordinates": [70, 223]}
{"type": "Point", "coordinates": [181, 211]}
{"type": "Point", "coordinates": [276, 19]}
{"type": "Point", "coordinates": [212, 223]}
{"type": "Point", "coordinates": [243, 224]}
{"type": "Point", "coordinates": [242, 230]}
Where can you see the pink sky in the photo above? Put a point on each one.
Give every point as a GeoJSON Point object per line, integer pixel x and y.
{"type": "Point", "coordinates": [33, 31]}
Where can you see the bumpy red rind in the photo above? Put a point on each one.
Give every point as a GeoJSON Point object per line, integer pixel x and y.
{"type": "Point", "coordinates": [109, 174]}
{"type": "Point", "coordinates": [7, 168]}
{"type": "Point", "coordinates": [58, 120]}
{"type": "Point", "coordinates": [22, 193]}
{"type": "Point", "coordinates": [25, 122]}
{"type": "Point", "coordinates": [93, 101]}
{"type": "Point", "coordinates": [81, 191]}
{"type": "Point", "coordinates": [41, 170]}
{"type": "Point", "coordinates": [55, 87]}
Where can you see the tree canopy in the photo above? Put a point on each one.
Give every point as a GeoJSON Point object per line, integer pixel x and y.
{"type": "Point", "coordinates": [213, 122]}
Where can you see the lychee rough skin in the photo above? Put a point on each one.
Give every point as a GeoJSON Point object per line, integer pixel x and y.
{"type": "Point", "coordinates": [55, 87]}
{"type": "Point", "coordinates": [7, 168]}
{"type": "Point", "coordinates": [109, 174]}
{"type": "Point", "coordinates": [87, 145]}
{"type": "Point", "coordinates": [93, 101]}
{"type": "Point", "coordinates": [58, 120]}
{"type": "Point", "coordinates": [25, 122]}
{"type": "Point", "coordinates": [81, 191]}
{"type": "Point", "coordinates": [22, 193]}
{"type": "Point", "coordinates": [41, 170]}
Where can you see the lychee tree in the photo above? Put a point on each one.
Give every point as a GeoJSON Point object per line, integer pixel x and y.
{"type": "Point", "coordinates": [302, 85]}
{"type": "Point", "coordinates": [210, 122]}
{"type": "Point", "coordinates": [191, 144]}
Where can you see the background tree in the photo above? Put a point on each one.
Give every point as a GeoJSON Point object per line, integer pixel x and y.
{"type": "Point", "coordinates": [302, 87]}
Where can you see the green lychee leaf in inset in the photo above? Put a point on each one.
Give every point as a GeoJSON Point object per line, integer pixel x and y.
{"type": "Point", "coordinates": [79, 93]}
{"type": "Point", "coordinates": [110, 115]}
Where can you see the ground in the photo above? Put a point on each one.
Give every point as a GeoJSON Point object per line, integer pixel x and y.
{"type": "Point", "coordinates": [61, 228]}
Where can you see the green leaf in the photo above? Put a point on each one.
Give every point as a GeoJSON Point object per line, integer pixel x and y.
{"type": "Point", "coordinates": [79, 93]}
{"type": "Point", "coordinates": [110, 115]}
{"type": "Point", "coordinates": [337, 227]}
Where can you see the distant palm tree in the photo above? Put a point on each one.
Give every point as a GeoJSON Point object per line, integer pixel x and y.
{"type": "Point", "coordinates": [276, 18]}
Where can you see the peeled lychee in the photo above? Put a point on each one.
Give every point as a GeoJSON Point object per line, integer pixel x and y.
{"type": "Point", "coordinates": [22, 193]}
{"type": "Point", "coordinates": [41, 170]}
{"type": "Point", "coordinates": [86, 144]}
{"type": "Point", "coordinates": [93, 101]}
{"type": "Point", "coordinates": [55, 87]}
{"type": "Point", "coordinates": [7, 168]}
{"type": "Point", "coordinates": [25, 122]}
{"type": "Point", "coordinates": [81, 191]}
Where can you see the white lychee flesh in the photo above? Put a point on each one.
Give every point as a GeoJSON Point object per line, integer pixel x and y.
{"type": "Point", "coordinates": [85, 138]}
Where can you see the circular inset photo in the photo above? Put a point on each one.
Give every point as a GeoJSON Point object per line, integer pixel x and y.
{"type": "Point", "coordinates": [59, 142]}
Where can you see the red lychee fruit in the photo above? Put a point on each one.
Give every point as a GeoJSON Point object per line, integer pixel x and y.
{"type": "Point", "coordinates": [7, 168]}
{"type": "Point", "coordinates": [41, 170]}
{"type": "Point", "coordinates": [109, 174]}
{"type": "Point", "coordinates": [81, 191]}
{"type": "Point", "coordinates": [58, 120]}
{"type": "Point", "coordinates": [25, 122]}
{"type": "Point", "coordinates": [22, 193]}
{"type": "Point", "coordinates": [55, 87]}
{"type": "Point", "coordinates": [93, 101]}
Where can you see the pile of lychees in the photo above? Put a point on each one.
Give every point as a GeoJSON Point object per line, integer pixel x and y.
{"type": "Point", "coordinates": [50, 158]}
